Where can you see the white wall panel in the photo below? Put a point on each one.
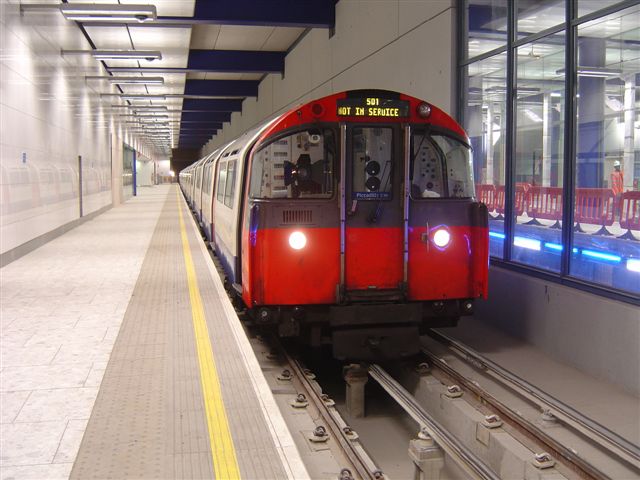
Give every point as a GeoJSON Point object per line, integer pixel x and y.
{"type": "Point", "coordinates": [362, 27]}
{"type": "Point", "coordinates": [49, 116]}
{"type": "Point", "coordinates": [412, 13]}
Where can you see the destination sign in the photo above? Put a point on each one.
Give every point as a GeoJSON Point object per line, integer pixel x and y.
{"type": "Point", "coordinates": [372, 107]}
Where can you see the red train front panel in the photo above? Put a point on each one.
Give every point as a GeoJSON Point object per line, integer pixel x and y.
{"type": "Point", "coordinates": [291, 236]}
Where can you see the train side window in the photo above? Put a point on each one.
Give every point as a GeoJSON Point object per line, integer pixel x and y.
{"type": "Point", "coordinates": [231, 184]}
{"type": "Point", "coordinates": [222, 181]}
{"type": "Point", "coordinates": [299, 165]}
{"type": "Point", "coordinates": [427, 176]}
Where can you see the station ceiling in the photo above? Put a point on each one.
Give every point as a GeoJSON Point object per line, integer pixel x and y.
{"type": "Point", "coordinates": [214, 55]}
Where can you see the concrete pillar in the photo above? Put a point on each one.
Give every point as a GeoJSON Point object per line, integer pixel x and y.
{"type": "Point", "coordinates": [629, 134]}
{"type": "Point", "coordinates": [547, 125]}
{"type": "Point", "coordinates": [356, 377]}
{"type": "Point", "coordinates": [489, 147]}
{"type": "Point", "coordinates": [427, 457]}
{"type": "Point", "coordinates": [590, 152]}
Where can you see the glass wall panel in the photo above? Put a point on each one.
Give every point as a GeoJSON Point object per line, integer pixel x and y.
{"type": "Point", "coordinates": [539, 147]}
{"type": "Point", "coordinates": [486, 26]}
{"type": "Point", "coordinates": [537, 15]}
{"type": "Point", "coordinates": [586, 7]}
{"type": "Point", "coordinates": [606, 246]}
{"type": "Point", "coordinates": [484, 118]}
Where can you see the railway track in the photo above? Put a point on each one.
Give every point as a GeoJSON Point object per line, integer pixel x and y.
{"type": "Point", "coordinates": [364, 466]}
{"type": "Point", "coordinates": [618, 458]}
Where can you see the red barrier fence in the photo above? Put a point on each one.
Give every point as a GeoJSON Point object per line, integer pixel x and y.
{"type": "Point", "coordinates": [594, 206]}
{"type": "Point", "coordinates": [630, 213]}
{"type": "Point", "coordinates": [487, 195]}
{"type": "Point", "coordinates": [521, 199]}
{"type": "Point", "coordinates": [544, 203]}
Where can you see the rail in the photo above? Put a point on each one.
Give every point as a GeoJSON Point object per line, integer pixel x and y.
{"type": "Point", "coordinates": [614, 443]}
{"type": "Point", "coordinates": [363, 464]}
{"type": "Point", "coordinates": [454, 448]}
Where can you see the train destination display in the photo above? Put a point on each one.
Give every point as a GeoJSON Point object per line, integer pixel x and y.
{"type": "Point", "coordinates": [372, 107]}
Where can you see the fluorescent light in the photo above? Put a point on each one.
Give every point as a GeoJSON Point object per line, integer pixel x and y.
{"type": "Point", "coordinates": [142, 97]}
{"type": "Point", "coordinates": [600, 72]}
{"type": "Point", "coordinates": [529, 243]}
{"type": "Point", "coordinates": [129, 80]}
{"type": "Point", "coordinates": [601, 255]}
{"type": "Point", "coordinates": [117, 54]}
{"type": "Point", "coordinates": [145, 108]}
{"type": "Point", "coordinates": [149, 108]}
{"type": "Point", "coordinates": [553, 246]}
{"type": "Point", "coordinates": [614, 104]}
{"type": "Point", "coordinates": [497, 235]}
{"type": "Point", "coordinates": [131, 115]}
{"type": "Point", "coordinates": [633, 265]}
{"type": "Point", "coordinates": [532, 115]}
{"type": "Point", "coordinates": [91, 12]}
{"type": "Point", "coordinates": [520, 90]}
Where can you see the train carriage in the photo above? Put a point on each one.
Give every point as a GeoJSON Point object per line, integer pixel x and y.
{"type": "Point", "coordinates": [350, 219]}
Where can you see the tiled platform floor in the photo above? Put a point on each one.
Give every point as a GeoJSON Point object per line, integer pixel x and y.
{"type": "Point", "coordinates": [61, 307]}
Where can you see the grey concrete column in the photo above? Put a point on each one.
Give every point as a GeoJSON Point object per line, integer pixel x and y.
{"type": "Point", "coordinates": [489, 147]}
{"type": "Point", "coordinates": [629, 135]}
{"type": "Point", "coordinates": [590, 141]}
{"type": "Point", "coordinates": [547, 123]}
{"type": "Point", "coordinates": [427, 457]}
{"type": "Point", "coordinates": [356, 377]}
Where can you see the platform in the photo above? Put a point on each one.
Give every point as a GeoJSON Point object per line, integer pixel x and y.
{"type": "Point", "coordinates": [123, 358]}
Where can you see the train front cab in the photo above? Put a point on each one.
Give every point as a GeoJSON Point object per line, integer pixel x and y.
{"type": "Point", "coordinates": [363, 227]}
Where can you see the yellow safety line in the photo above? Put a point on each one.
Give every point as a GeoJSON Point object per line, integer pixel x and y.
{"type": "Point", "coordinates": [225, 464]}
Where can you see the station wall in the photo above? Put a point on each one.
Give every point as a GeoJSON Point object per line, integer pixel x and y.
{"type": "Point", "coordinates": [402, 45]}
{"type": "Point", "coordinates": [48, 120]}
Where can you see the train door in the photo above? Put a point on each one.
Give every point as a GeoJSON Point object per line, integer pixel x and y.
{"type": "Point", "coordinates": [374, 201]}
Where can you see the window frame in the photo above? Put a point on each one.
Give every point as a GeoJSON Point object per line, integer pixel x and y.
{"type": "Point", "coordinates": [570, 29]}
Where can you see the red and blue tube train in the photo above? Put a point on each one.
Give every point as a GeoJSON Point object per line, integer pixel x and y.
{"type": "Point", "coordinates": [351, 219]}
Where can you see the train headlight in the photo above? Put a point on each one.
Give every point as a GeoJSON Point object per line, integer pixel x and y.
{"type": "Point", "coordinates": [424, 110]}
{"type": "Point", "coordinates": [441, 237]}
{"type": "Point", "coordinates": [297, 240]}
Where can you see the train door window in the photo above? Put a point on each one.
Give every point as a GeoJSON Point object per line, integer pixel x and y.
{"type": "Point", "coordinates": [299, 165]}
{"type": "Point", "coordinates": [231, 184]}
{"type": "Point", "coordinates": [222, 180]}
{"type": "Point", "coordinates": [372, 149]}
{"type": "Point", "coordinates": [427, 170]}
{"type": "Point", "coordinates": [459, 166]}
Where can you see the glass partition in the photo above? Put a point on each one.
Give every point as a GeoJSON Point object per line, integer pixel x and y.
{"type": "Point", "coordinates": [484, 118]}
{"type": "Point", "coordinates": [539, 152]}
{"type": "Point", "coordinates": [522, 146]}
{"type": "Point", "coordinates": [534, 16]}
{"type": "Point", "coordinates": [606, 243]}
{"type": "Point", "coordinates": [586, 7]}
{"type": "Point", "coordinates": [486, 22]}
